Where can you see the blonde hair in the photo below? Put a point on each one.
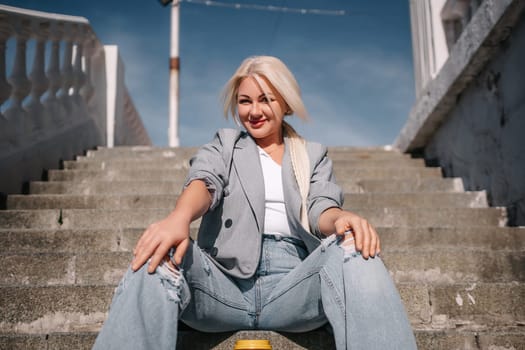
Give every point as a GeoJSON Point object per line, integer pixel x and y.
{"type": "Point", "coordinates": [279, 77]}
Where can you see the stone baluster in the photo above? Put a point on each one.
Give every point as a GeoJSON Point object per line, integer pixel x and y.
{"type": "Point", "coordinates": [87, 90]}
{"type": "Point", "coordinates": [21, 86]}
{"type": "Point", "coordinates": [79, 77]}
{"type": "Point", "coordinates": [39, 81]}
{"type": "Point", "coordinates": [94, 96]}
{"type": "Point", "coordinates": [67, 69]}
{"type": "Point", "coordinates": [51, 103]}
{"type": "Point", "coordinates": [5, 88]}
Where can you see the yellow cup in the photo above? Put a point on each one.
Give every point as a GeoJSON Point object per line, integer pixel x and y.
{"type": "Point", "coordinates": [252, 344]}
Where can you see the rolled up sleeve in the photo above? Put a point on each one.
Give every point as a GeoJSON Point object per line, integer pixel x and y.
{"type": "Point", "coordinates": [208, 165]}
{"type": "Point", "coordinates": [324, 191]}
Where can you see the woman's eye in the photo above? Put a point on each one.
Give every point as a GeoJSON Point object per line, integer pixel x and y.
{"type": "Point", "coordinates": [244, 101]}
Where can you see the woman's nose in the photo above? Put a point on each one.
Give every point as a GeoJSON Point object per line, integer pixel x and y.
{"type": "Point", "coordinates": [256, 109]}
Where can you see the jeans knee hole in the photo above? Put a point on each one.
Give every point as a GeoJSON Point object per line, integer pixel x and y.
{"type": "Point", "coordinates": [348, 248]}
{"type": "Point", "coordinates": [170, 279]}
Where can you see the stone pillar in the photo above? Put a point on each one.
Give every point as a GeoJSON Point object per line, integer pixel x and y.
{"type": "Point", "coordinates": [21, 86]}
{"type": "Point", "coordinates": [66, 70]}
{"type": "Point", "coordinates": [5, 88]}
{"type": "Point", "coordinates": [79, 77]}
{"type": "Point", "coordinates": [53, 107]}
{"type": "Point", "coordinates": [38, 118]}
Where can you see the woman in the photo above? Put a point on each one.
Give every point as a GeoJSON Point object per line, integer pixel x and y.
{"type": "Point", "coordinates": [275, 250]}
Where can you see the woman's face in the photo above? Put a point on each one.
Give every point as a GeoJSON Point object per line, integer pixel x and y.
{"type": "Point", "coordinates": [261, 110]}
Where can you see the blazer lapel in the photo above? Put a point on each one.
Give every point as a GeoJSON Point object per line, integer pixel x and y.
{"type": "Point", "coordinates": [248, 167]}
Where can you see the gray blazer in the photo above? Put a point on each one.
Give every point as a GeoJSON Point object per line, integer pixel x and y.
{"type": "Point", "coordinates": [230, 231]}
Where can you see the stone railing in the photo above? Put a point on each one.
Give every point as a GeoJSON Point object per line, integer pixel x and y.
{"type": "Point", "coordinates": [73, 98]}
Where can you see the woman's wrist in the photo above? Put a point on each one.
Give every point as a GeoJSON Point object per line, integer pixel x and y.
{"type": "Point", "coordinates": [327, 220]}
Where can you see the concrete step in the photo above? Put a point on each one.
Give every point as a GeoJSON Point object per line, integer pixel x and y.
{"type": "Point", "coordinates": [70, 240]}
{"type": "Point", "coordinates": [126, 164]}
{"type": "Point", "coordinates": [186, 152]}
{"type": "Point", "coordinates": [179, 163]}
{"type": "Point", "coordinates": [168, 174]}
{"type": "Point", "coordinates": [87, 187]}
{"type": "Point", "coordinates": [410, 185]}
{"type": "Point", "coordinates": [387, 217]}
{"type": "Point", "coordinates": [431, 267]}
{"type": "Point", "coordinates": [142, 151]}
{"type": "Point", "coordinates": [362, 200]}
{"type": "Point", "coordinates": [47, 309]}
{"type": "Point", "coordinates": [502, 338]}
{"type": "Point", "coordinates": [393, 239]}
{"type": "Point", "coordinates": [460, 265]}
{"type": "Point", "coordinates": [175, 186]}
{"type": "Point", "coordinates": [41, 310]}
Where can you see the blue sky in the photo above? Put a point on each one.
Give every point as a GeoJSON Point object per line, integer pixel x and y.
{"type": "Point", "coordinates": [355, 71]}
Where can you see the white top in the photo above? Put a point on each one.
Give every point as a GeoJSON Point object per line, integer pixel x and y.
{"type": "Point", "coordinates": [275, 220]}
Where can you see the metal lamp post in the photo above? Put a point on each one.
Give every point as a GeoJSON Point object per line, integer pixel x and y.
{"type": "Point", "coordinates": [173, 129]}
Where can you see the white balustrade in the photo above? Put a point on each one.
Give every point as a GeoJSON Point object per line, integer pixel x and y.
{"type": "Point", "coordinates": [5, 88]}
{"type": "Point", "coordinates": [61, 107]}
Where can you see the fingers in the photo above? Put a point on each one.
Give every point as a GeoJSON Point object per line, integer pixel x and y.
{"type": "Point", "coordinates": [366, 237]}
{"type": "Point", "coordinates": [362, 241]}
{"type": "Point", "coordinates": [374, 241]}
{"type": "Point", "coordinates": [180, 250]}
{"type": "Point", "coordinates": [155, 243]}
{"type": "Point", "coordinates": [157, 257]}
{"type": "Point", "coordinates": [144, 249]}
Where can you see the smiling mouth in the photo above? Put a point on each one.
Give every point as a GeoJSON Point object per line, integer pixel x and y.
{"type": "Point", "coordinates": [257, 122]}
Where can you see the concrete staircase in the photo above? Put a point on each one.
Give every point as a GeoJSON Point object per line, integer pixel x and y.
{"type": "Point", "coordinates": [64, 247]}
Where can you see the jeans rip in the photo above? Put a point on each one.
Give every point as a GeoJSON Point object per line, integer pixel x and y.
{"type": "Point", "coordinates": [172, 279]}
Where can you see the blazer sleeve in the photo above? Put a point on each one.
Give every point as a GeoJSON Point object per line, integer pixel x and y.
{"type": "Point", "coordinates": [211, 164]}
{"type": "Point", "coordinates": [324, 191]}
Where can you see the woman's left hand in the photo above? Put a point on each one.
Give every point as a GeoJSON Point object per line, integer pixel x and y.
{"type": "Point", "coordinates": [366, 237]}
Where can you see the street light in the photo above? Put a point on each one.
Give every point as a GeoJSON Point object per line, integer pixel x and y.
{"type": "Point", "coordinates": [173, 137]}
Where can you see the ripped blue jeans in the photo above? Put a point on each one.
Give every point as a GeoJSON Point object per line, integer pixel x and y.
{"type": "Point", "coordinates": [291, 291]}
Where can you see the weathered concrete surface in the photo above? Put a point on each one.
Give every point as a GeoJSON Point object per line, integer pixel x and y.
{"type": "Point", "coordinates": [65, 308]}
{"type": "Point", "coordinates": [482, 139]}
{"type": "Point", "coordinates": [188, 339]}
{"type": "Point", "coordinates": [393, 239]}
{"type": "Point", "coordinates": [431, 253]}
{"type": "Point", "coordinates": [470, 119]}
{"type": "Point", "coordinates": [131, 201]}
{"type": "Point", "coordinates": [163, 174]}
{"type": "Point", "coordinates": [132, 218]}
{"type": "Point", "coordinates": [428, 267]}
{"type": "Point", "coordinates": [174, 187]}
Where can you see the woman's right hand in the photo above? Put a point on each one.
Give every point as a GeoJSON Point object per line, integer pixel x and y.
{"type": "Point", "coordinates": [174, 230]}
{"type": "Point", "coordinates": [158, 239]}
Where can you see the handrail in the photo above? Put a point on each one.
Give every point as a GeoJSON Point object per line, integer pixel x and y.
{"type": "Point", "coordinates": [43, 15]}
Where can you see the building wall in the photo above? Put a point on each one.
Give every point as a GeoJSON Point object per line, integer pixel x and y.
{"type": "Point", "coordinates": [482, 140]}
